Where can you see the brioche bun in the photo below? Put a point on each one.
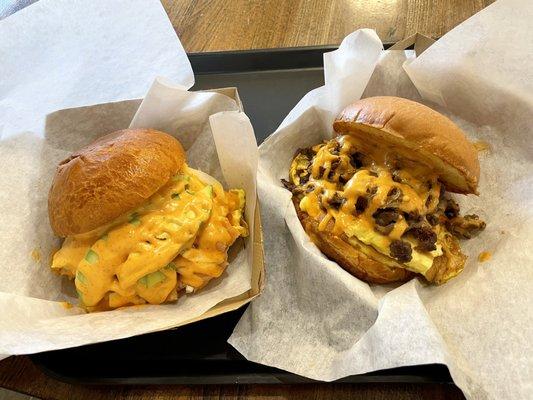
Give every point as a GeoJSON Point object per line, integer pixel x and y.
{"type": "Point", "coordinates": [110, 177]}
{"type": "Point", "coordinates": [425, 135]}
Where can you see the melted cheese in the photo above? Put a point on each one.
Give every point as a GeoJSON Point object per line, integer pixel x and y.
{"type": "Point", "coordinates": [374, 181]}
{"type": "Point", "coordinates": [484, 256]}
{"type": "Point", "coordinates": [208, 257]}
{"type": "Point", "coordinates": [179, 237]}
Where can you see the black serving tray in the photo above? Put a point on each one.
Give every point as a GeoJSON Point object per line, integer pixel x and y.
{"type": "Point", "coordinates": [270, 83]}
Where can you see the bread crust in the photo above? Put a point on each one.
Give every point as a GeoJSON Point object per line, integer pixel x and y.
{"type": "Point", "coordinates": [110, 177]}
{"type": "Point", "coordinates": [347, 256]}
{"type": "Point", "coordinates": [434, 138]}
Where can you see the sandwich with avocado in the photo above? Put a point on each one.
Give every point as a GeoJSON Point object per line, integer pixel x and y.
{"type": "Point", "coordinates": [139, 225]}
{"type": "Point", "coordinates": [375, 198]}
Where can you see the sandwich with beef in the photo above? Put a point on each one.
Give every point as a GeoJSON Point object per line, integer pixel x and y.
{"type": "Point", "coordinates": [375, 198]}
{"type": "Point", "coordinates": [139, 225]}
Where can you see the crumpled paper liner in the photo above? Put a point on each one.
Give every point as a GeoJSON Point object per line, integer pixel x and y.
{"type": "Point", "coordinates": [34, 316]}
{"type": "Point", "coordinates": [316, 320]}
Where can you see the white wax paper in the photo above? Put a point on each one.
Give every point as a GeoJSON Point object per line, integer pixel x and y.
{"type": "Point", "coordinates": [60, 54]}
{"type": "Point", "coordinates": [316, 320]}
{"type": "Point", "coordinates": [57, 54]}
{"type": "Point", "coordinates": [33, 317]}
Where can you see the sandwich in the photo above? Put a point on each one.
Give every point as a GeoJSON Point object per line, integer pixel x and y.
{"type": "Point", "coordinates": [375, 198]}
{"type": "Point", "coordinates": [139, 225]}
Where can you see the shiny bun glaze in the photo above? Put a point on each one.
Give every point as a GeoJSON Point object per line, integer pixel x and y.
{"type": "Point", "coordinates": [430, 136]}
{"type": "Point", "coordinates": [110, 177]}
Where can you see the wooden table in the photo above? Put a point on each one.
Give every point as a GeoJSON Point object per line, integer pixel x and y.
{"type": "Point", "coordinates": [211, 25]}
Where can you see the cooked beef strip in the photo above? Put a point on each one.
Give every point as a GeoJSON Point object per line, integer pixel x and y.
{"type": "Point", "coordinates": [336, 201]}
{"type": "Point", "coordinates": [360, 205]}
{"type": "Point", "coordinates": [336, 149]}
{"type": "Point", "coordinates": [412, 217]}
{"type": "Point", "coordinates": [288, 185]}
{"type": "Point", "coordinates": [425, 236]}
{"type": "Point", "coordinates": [421, 231]}
{"type": "Point", "coordinates": [356, 159]}
{"type": "Point", "coordinates": [384, 230]}
{"type": "Point", "coordinates": [307, 152]}
{"type": "Point", "coordinates": [372, 191]}
{"type": "Point", "coordinates": [334, 165]}
{"type": "Point", "coordinates": [433, 219]}
{"type": "Point", "coordinates": [396, 176]}
{"type": "Point", "coordinates": [321, 203]}
{"type": "Point", "coordinates": [465, 227]}
{"type": "Point", "coordinates": [442, 190]}
{"type": "Point", "coordinates": [386, 216]}
{"type": "Point", "coordinates": [394, 197]}
{"type": "Point", "coordinates": [452, 208]}
{"type": "Point", "coordinates": [295, 190]}
{"type": "Point", "coordinates": [310, 169]}
{"type": "Point", "coordinates": [401, 250]}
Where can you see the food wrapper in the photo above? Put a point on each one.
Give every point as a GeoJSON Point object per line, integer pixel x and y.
{"type": "Point", "coordinates": [42, 122]}
{"type": "Point", "coordinates": [316, 320]}
{"type": "Point", "coordinates": [35, 315]}
{"type": "Point", "coordinates": [58, 54]}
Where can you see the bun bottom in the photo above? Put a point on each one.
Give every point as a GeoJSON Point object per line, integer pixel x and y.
{"type": "Point", "coordinates": [355, 258]}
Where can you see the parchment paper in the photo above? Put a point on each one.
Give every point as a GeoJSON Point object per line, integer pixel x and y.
{"type": "Point", "coordinates": [57, 54]}
{"type": "Point", "coordinates": [81, 53]}
{"type": "Point", "coordinates": [316, 320]}
{"type": "Point", "coordinates": [33, 318]}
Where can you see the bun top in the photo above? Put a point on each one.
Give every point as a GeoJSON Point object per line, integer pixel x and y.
{"type": "Point", "coordinates": [425, 134]}
{"type": "Point", "coordinates": [110, 177]}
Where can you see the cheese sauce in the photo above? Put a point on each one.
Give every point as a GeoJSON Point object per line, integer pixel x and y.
{"type": "Point", "coordinates": [178, 238]}
{"type": "Point", "coordinates": [348, 181]}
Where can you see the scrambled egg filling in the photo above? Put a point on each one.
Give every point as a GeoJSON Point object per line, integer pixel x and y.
{"type": "Point", "coordinates": [178, 239]}
{"type": "Point", "coordinates": [363, 191]}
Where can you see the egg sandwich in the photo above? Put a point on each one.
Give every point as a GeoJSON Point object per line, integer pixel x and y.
{"type": "Point", "coordinates": [140, 226]}
{"type": "Point", "coordinates": [375, 197]}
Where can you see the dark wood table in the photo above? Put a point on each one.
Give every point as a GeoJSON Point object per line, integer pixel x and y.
{"type": "Point", "coordinates": [211, 25]}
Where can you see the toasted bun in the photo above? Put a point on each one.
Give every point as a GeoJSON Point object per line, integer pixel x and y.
{"type": "Point", "coordinates": [110, 177]}
{"type": "Point", "coordinates": [430, 136]}
{"type": "Point", "coordinates": [349, 257]}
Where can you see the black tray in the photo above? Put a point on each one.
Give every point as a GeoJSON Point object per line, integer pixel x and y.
{"type": "Point", "coordinates": [270, 83]}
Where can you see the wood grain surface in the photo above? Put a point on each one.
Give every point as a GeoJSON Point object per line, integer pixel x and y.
{"type": "Point", "coordinates": [212, 25]}
{"type": "Point", "coordinates": [18, 373]}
